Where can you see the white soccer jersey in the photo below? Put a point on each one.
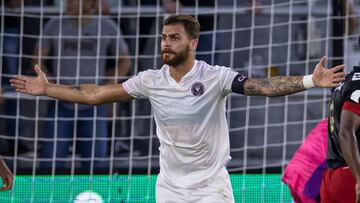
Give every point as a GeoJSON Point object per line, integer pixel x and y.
{"type": "Point", "coordinates": [191, 120]}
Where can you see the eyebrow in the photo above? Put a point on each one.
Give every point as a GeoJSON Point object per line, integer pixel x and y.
{"type": "Point", "coordinates": [171, 35]}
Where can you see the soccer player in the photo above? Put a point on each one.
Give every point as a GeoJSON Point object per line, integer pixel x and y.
{"type": "Point", "coordinates": [188, 98]}
{"type": "Point", "coordinates": [6, 176]}
{"type": "Point", "coordinates": [341, 182]}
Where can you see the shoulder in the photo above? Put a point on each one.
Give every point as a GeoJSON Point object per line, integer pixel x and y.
{"type": "Point", "coordinates": [352, 82]}
{"type": "Point", "coordinates": [351, 87]}
{"type": "Point", "coordinates": [52, 26]}
{"type": "Point", "coordinates": [109, 23]}
{"type": "Point", "coordinates": [205, 67]}
{"type": "Point", "coordinates": [216, 67]}
{"type": "Point", "coordinates": [148, 74]}
{"type": "Point", "coordinates": [54, 21]}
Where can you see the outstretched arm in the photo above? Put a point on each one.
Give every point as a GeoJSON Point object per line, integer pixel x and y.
{"type": "Point", "coordinates": [85, 94]}
{"type": "Point", "coordinates": [349, 123]}
{"type": "Point", "coordinates": [285, 85]}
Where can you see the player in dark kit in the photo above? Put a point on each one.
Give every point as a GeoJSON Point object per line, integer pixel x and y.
{"type": "Point", "coordinates": [341, 181]}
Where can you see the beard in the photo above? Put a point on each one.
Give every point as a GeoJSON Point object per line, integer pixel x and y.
{"type": "Point", "coordinates": [176, 58]}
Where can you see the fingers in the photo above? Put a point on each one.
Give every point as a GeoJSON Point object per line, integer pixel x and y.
{"type": "Point", "coordinates": [339, 75]}
{"type": "Point", "coordinates": [338, 80]}
{"type": "Point", "coordinates": [19, 77]}
{"type": "Point", "coordinates": [323, 61]}
{"type": "Point", "coordinates": [18, 84]}
{"type": "Point", "coordinates": [38, 70]}
{"type": "Point", "coordinates": [339, 68]}
{"type": "Point", "coordinates": [334, 84]}
{"type": "Point", "coordinates": [7, 183]}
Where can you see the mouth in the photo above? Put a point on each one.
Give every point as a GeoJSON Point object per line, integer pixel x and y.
{"type": "Point", "coordinates": [168, 52]}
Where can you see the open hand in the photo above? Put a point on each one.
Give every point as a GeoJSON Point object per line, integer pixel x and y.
{"type": "Point", "coordinates": [7, 176]}
{"type": "Point", "coordinates": [324, 77]}
{"type": "Point", "coordinates": [31, 85]}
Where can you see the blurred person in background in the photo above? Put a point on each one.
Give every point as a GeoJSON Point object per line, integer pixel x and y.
{"type": "Point", "coordinates": [10, 66]}
{"type": "Point", "coordinates": [79, 58]}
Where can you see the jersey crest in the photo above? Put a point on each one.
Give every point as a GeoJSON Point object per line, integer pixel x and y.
{"type": "Point", "coordinates": [197, 89]}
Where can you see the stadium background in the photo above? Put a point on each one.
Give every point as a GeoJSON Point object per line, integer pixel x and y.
{"type": "Point", "coordinates": [285, 38]}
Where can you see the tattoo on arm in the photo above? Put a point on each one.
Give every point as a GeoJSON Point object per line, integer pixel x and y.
{"type": "Point", "coordinates": [75, 87]}
{"type": "Point", "coordinates": [273, 87]}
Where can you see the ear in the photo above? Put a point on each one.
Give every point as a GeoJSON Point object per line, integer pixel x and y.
{"type": "Point", "coordinates": [194, 44]}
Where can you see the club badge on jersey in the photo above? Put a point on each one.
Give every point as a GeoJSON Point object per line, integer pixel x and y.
{"type": "Point", "coordinates": [197, 89]}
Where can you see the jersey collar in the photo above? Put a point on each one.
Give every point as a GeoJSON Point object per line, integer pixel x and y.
{"type": "Point", "coordinates": [187, 75]}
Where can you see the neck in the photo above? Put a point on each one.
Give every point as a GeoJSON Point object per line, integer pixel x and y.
{"type": "Point", "coordinates": [84, 19]}
{"type": "Point", "coordinates": [177, 72]}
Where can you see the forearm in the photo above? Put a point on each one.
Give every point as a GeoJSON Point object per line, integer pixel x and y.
{"type": "Point", "coordinates": [84, 94]}
{"type": "Point", "coordinates": [275, 86]}
{"type": "Point", "coordinates": [88, 93]}
{"type": "Point", "coordinates": [350, 151]}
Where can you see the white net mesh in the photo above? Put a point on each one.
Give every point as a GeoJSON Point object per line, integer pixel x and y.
{"type": "Point", "coordinates": [40, 136]}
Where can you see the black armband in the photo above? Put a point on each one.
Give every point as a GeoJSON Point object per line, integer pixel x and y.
{"type": "Point", "coordinates": [237, 85]}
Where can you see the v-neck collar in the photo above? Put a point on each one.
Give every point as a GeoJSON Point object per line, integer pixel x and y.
{"type": "Point", "coordinates": [186, 76]}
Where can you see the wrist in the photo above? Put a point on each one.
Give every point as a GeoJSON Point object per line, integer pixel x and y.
{"type": "Point", "coordinates": [308, 81]}
{"type": "Point", "coordinates": [47, 87]}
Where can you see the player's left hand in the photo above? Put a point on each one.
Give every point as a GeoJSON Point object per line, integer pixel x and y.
{"type": "Point", "coordinates": [324, 77]}
{"type": "Point", "coordinates": [7, 177]}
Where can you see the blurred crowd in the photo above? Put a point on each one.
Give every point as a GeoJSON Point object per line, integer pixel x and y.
{"type": "Point", "coordinates": [89, 43]}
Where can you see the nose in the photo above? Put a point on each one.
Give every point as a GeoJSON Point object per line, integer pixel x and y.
{"type": "Point", "coordinates": [166, 43]}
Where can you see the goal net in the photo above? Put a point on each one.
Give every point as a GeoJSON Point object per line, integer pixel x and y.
{"type": "Point", "coordinates": [61, 152]}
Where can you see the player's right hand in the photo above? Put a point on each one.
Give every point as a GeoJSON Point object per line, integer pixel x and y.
{"type": "Point", "coordinates": [6, 176]}
{"type": "Point", "coordinates": [31, 85]}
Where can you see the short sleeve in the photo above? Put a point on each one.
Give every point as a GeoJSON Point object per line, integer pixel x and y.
{"type": "Point", "coordinates": [134, 86]}
{"type": "Point", "coordinates": [351, 92]}
{"type": "Point", "coordinates": [353, 107]}
{"type": "Point", "coordinates": [227, 76]}
{"type": "Point", "coordinates": [352, 97]}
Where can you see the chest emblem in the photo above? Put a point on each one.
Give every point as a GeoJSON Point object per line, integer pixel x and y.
{"type": "Point", "coordinates": [197, 89]}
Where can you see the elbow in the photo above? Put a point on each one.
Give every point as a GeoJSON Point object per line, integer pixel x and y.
{"type": "Point", "coordinates": [92, 100]}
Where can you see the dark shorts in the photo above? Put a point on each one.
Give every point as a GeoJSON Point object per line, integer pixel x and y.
{"type": "Point", "coordinates": [338, 185]}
